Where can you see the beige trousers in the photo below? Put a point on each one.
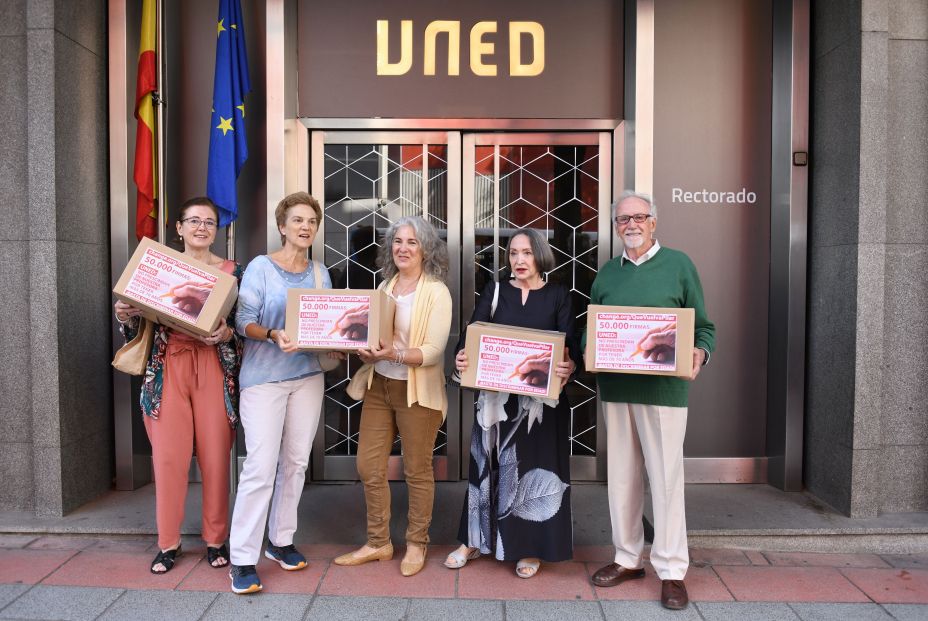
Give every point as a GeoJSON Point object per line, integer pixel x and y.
{"type": "Point", "coordinates": [383, 414]}
{"type": "Point", "coordinates": [647, 436]}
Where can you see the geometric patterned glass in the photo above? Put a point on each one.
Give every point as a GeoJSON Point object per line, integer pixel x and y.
{"type": "Point", "coordinates": [555, 190]}
{"type": "Point", "coordinates": [368, 186]}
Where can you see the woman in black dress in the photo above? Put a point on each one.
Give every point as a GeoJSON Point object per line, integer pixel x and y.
{"type": "Point", "coordinates": [517, 505]}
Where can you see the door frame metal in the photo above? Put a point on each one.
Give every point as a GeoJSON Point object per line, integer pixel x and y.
{"type": "Point", "coordinates": [445, 467]}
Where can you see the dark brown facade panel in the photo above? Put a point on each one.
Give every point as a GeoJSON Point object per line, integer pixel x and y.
{"type": "Point", "coordinates": [581, 43]}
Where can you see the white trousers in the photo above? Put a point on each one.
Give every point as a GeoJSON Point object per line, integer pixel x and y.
{"type": "Point", "coordinates": [280, 421]}
{"type": "Point", "coordinates": [649, 436]}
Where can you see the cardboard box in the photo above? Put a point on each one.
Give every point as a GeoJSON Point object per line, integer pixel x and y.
{"type": "Point", "coordinates": [174, 290]}
{"type": "Point", "coordinates": [339, 319]}
{"type": "Point", "coordinates": [515, 360]}
{"type": "Point", "coordinates": [614, 335]}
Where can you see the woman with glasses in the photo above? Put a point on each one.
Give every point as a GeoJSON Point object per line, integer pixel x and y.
{"type": "Point", "coordinates": [282, 392]}
{"type": "Point", "coordinates": [403, 387]}
{"type": "Point", "coordinates": [190, 398]}
{"type": "Point", "coordinates": [517, 506]}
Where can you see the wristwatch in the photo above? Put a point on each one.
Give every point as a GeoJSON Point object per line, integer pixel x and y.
{"type": "Point", "coordinates": [268, 336]}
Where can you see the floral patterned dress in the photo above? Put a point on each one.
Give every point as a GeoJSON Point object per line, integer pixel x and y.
{"type": "Point", "coordinates": [518, 495]}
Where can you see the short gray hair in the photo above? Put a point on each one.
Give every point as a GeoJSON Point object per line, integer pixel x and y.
{"type": "Point", "coordinates": [434, 249]}
{"type": "Point", "coordinates": [652, 207]}
{"type": "Point", "coordinates": [544, 258]}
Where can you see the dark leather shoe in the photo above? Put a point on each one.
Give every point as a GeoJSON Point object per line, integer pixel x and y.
{"type": "Point", "coordinates": [673, 594]}
{"type": "Point", "coordinates": [614, 574]}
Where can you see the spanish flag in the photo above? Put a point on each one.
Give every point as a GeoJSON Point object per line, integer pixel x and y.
{"type": "Point", "coordinates": [145, 172]}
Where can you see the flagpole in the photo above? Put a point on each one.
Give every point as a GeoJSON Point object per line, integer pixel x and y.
{"type": "Point", "coordinates": [158, 101]}
{"type": "Point", "coordinates": [230, 241]}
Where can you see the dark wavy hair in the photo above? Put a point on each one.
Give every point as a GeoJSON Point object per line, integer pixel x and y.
{"type": "Point", "coordinates": [544, 258]}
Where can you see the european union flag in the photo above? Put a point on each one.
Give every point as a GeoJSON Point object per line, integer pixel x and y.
{"type": "Point", "coordinates": [228, 148]}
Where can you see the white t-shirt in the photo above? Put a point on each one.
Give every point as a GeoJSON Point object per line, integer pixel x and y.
{"type": "Point", "coordinates": [401, 322]}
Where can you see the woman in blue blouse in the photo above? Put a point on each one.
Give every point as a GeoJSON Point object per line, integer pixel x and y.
{"type": "Point", "coordinates": [281, 398]}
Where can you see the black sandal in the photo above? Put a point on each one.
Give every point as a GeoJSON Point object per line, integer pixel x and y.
{"type": "Point", "coordinates": [214, 554]}
{"type": "Point", "coordinates": [166, 558]}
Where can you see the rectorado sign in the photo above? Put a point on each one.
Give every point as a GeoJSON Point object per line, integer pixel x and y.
{"type": "Point", "coordinates": [713, 197]}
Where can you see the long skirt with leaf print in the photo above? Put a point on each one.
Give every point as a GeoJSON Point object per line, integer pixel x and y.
{"type": "Point", "coordinates": [518, 501]}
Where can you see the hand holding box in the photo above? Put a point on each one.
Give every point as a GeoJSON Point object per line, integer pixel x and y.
{"type": "Point", "coordinates": [339, 319]}
{"type": "Point", "coordinates": [173, 289]}
{"type": "Point", "coordinates": [511, 359]}
{"type": "Point", "coordinates": [653, 341]}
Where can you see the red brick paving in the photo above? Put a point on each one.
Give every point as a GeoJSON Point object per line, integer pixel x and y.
{"type": "Point", "coordinates": [203, 577]}
{"type": "Point", "coordinates": [702, 585]}
{"type": "Point", "coordinates": [789, 584]}
{"type": "Point", "coordinates": [383, 578]}
{"type": "Point", "coordinates": [486, 578]}
{"type": "Point", "coordinates": [126, 570]}
{"type": "Point", "coordinates": [30, 566]}
{"type": "Point", "coordinates": [715, 575]}
{"type": "Point", "coordinates": [891, 586]}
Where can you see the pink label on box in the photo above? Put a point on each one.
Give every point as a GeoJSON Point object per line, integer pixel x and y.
{"type": "Point", "coordinates": [636, 341]}
{"type": "Point", "coordinates": [514, 365]}
{"type": "Point", "coordinates": [336, 321]}
{"type": "Point", "coordinates": [170, 286]}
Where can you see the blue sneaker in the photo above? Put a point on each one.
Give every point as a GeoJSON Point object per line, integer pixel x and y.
{"type": "Point", "coordinates": [288, 556]}
{"type": "Point", "coordinates": [245, 579]}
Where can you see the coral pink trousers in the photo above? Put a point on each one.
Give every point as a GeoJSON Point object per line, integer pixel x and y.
{"type": "Point", "coordinates": [193, 414]}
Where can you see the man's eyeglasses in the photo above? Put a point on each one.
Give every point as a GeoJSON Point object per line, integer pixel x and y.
{"type": "Point", "coordinates": [638, 217]}
{"type": "Point", "coordinates": [196, 223]}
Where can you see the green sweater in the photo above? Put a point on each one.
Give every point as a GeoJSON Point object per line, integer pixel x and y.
{"type": "Point", "coordinates": [668, 280]}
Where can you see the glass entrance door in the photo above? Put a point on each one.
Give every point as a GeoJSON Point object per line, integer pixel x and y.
{"type": "Point", "coordinates": [559, 184]}
{"type": "Point", "coordinates": [365, 181]}
{"type": "Point", "coordinates": [477, 189]}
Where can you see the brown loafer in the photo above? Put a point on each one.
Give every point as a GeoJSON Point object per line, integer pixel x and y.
{"type": "Point", "coordinates": [383, 553]}
{"type": "Point", "coordinates": [614, 574]}
{"type": "Point", "coordinates": [673, 594]}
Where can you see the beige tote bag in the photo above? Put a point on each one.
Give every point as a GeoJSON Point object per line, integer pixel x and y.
{"type": "Point", "coordinates": [132, 358]}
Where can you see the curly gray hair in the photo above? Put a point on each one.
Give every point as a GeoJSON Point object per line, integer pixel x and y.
{"type": "Point", "coordinates": [434, 249]}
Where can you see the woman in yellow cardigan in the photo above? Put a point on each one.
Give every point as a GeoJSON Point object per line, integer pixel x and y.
{"type": "Point", "coordinates": [403, 387]}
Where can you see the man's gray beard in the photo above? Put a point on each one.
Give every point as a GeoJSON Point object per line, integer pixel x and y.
{"type": "Point", "coordinates": [633, 242]}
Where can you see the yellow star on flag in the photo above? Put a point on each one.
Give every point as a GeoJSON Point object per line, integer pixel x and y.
{"type": "Point", "coordinates": [220, 27]}
{"type": "Point", "coordinates": [242, 108]}
{"type": "Point", "coordinates": [234, 26]}
{"type": "Point", "coordinates": [225, 125]}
